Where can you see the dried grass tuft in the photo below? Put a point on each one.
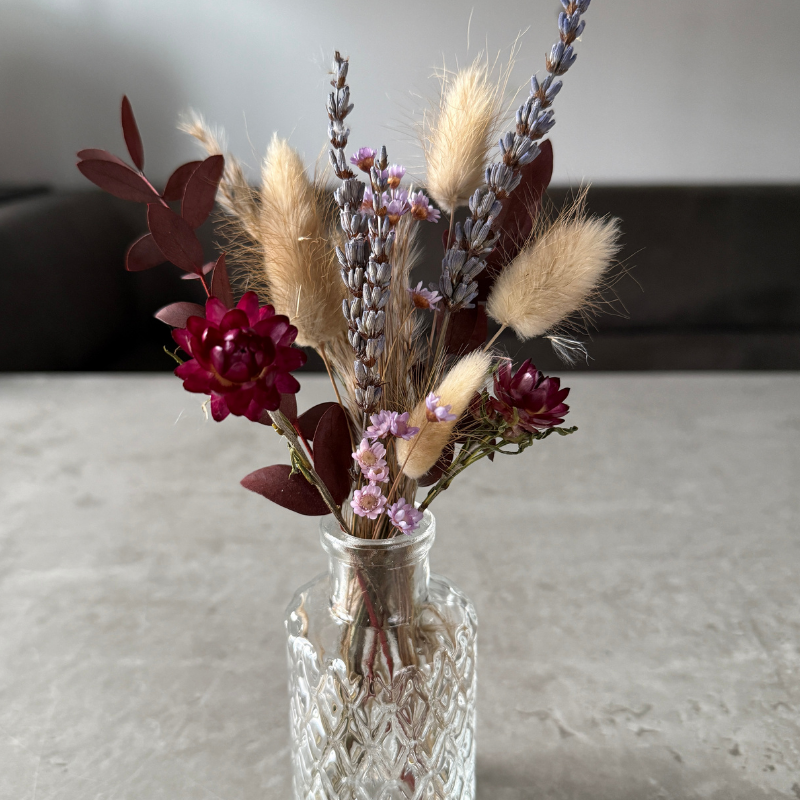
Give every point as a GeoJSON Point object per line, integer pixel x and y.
{"type": "Point", "coordinates": [457, 388]}
{"type": "Point", "coordinates": [557, 275]}
{"type": "Point", "coordinates": [460, 131]}
{"type": "Point", "coordinates": [299, 270]}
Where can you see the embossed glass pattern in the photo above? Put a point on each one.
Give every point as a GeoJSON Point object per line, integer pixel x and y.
{"type": "Point", "coordinates": [381, 675]}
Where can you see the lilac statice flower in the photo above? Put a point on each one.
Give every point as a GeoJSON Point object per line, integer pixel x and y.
{"type": "Point", "coordinates": [404, 516]}
{"type": "Point", "coordinates": [395, 209]}
{"type": "Point", "coordinates": [424, 298]}
{"type": "Point", "coordinates": [368, 502]}
{"type": "Point", "coordinates": [394, 175]}
{"type": "Point", "coordinates": [369, 456]}
{"type": "Point", "coordinates": [422, 209]}
{"type": "Point", "coordinates": [400, 427]}
{"type": "Point", "coordinates": [435, 412]}
{"type": "Point", "coordinates": [364, 158]}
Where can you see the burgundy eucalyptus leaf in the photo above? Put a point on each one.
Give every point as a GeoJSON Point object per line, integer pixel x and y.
{"type": "Point", "coordinates": [143, 254]}
{"type": "Point", "coordinates": [117, 178]}
{"type": "Point", "coordinates": [201, 190]}
{"type": "Point", "coordinates": [288, 407]}
{"type": "Point", "coordinates": [178, 180]}
{"type": "Point", "coordinates": [307, 422]}
{"type": "Point", "coordinates": [130, 130]}
{"type": "Point", "coordinates": [175, 238]}
{"type": "Point", "coordinates": [467, 330]}
{"type": "Point", "coordinates": [221, 284]}
{"type": "Point", "coordinates": [332, 452]}
{"type": "Point", "coordinates": [94, 154]}
{"type": "Point", "coordinates": [195, 276]}
{"type": "Point", "coordinates": [291, 491]}
{"type": "Point", "coordinates": [439, 468]}
{"type": "Point", "coordinates": [176, 314]}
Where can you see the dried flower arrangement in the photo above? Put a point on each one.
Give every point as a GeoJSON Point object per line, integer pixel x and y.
{"type": "Point", "coordinates": [420, 395]}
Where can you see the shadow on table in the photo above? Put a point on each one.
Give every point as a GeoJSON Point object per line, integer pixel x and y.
{"type": "Point", "coordinates": [607, 774]}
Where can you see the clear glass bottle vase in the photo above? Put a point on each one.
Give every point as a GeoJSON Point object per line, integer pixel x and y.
{"type": "Point", "coordinates": [381, 674]}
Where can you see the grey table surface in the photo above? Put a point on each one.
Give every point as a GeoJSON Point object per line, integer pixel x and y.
{"type": "Point", "coordinates": [636, 585]}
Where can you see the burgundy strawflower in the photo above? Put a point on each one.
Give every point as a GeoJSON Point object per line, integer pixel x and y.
{"type": "Point", "coordinates": [241, 357]}
{"type": "Point", "coordinates": [528, 400]}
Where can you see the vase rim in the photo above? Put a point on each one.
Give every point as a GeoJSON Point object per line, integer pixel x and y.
{"type": "Point", "coordinates": [334, 539]}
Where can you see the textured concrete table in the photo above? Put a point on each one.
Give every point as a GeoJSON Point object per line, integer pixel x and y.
{"type": "Point", "coordinates": [637, 584]}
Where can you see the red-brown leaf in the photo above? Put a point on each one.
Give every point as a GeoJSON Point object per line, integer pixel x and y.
{"type": "Point", "coordinates": [95, 154]}
{"type": "Point", "coordinates": [175, 238]}
{"type": "Point", "coordinates": [201, 190]}
{"type": "Point", "coordinates": [130, 130]}
{"type": "Point", "coordinates": [307, 422]}
{"type": "Point", "coordinates": [118, 179]}
{"type": "Point", "coordinates": [195, 276]}
{"type": "Point", "coordinates": [178, 180]}
{"type": "Point", "coordinates": [220, 283]}
{"type": "Point", "coordinates": [176, 314]}
{"type": "Point", "coordinates": [467, 330]}
{"type": "Point", "coordinates": [332, 454]}
{"type": "Point", "coordinates": [143, 254]}
{"type": "Point", "coordinates": [288, 408]}
{"type": "Point", "coordinates": [294, 492]}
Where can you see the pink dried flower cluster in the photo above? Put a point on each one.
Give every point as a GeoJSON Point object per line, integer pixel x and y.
{"type": "Point", "coordinates": [385, 423]}
{"type": "Point", "coordinates": [371, 458]}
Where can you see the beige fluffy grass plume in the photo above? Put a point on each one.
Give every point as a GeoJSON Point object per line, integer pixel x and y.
{"type": "Point", "coordinates": [458, 134]}
{"type": "Point", "coordinates": [299, 263]}
{"type": "Point", "coordinates": [556, 275]}
{"type": "Point", "coordinates": [457, 388]}
{"type": "Point", "coordinates": [235, 195]}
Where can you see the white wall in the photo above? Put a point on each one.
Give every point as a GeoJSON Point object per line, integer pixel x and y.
{"type": "Point", "coordinates": [663, 90]}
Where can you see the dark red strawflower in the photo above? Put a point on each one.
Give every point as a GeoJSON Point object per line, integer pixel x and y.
{"type": "Point", "coordinates": [528, 400]}
{"type": "Point", "coordinates": [241, 357]}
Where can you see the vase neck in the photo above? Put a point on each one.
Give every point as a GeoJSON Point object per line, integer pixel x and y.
{"type": "Point", "coordinates": [378, 582]}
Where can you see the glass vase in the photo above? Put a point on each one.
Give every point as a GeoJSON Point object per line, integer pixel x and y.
{"type": "Point", "coordinates": [381, 674]}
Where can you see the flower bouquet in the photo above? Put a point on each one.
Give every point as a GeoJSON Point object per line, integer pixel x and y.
{"type": "Point", "coordinates": [382, 654]}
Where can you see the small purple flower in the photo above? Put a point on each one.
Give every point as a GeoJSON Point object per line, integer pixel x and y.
{"type": "Point", "coordinates": [377, 474]}
{"type": "Point", "coordinates": [436, 412]}
{"type": "Point", "coordinates": [404, 516]}
{"type": "Point", "coordinates": [424, 298]}
{"type": "Point", "coordinates": [390, 422]}
{"type": "Point", "coordinates": [370, 456]}
{"type": "Point", "coordinates": [364, 158]}
{"type": "Point", "coordinates": [368, 502]}
{"type": "Point", "coordinates": [381, 425]}
{"type": "Point", "coordinates": [400, 427]}
{"type": "Point", "coordinates": [422, 209]}
{"type": "Point", "coordinates": [366, 203]}
{"type": "Point", "coordinates": [396, 208]}
{"type": "Point", "coordinates": [395, 175]}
